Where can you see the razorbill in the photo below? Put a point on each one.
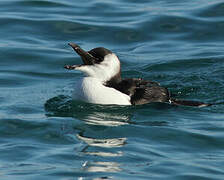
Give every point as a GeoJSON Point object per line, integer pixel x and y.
{"type": "Point", "coordinates": [102, 83]}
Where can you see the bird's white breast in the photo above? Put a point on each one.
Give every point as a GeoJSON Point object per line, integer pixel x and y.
{"type": "Point", "coordinates": [92, 90]}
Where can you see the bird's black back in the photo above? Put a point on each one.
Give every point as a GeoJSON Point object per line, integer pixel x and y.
{"type": "Point", "coordinates": [141, 91]}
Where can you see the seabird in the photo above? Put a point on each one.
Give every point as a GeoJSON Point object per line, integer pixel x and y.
{"type": "Point", "coordinates": [102, 82]}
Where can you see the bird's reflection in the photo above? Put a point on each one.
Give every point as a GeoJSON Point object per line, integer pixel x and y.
{"type": "Point", "coordinates": [103, 147]}
{"type": "Point", "coordinates": [106, 119]}
{"type": "Point", "coordinates": [101, 166]}
{"type": "Point", "coordinates": [106, 166]}
{"type": "Point", "coordinates": [106, 143]}
{"type": "Point", "coordinates": [97, 119]}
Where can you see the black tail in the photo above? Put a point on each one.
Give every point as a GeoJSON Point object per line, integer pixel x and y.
{"type": "Point", "coordinates": [189, 103]}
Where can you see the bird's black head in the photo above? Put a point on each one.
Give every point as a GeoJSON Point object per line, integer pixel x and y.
{"type": "Point", "coordinates": [94, 56]}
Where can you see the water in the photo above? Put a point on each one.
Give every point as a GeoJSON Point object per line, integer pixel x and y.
{"type": "Point", "coordinates": [45, 135]}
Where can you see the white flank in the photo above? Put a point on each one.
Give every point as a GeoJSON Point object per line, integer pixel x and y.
{"type": "Point", "coordinates": [92, 90]}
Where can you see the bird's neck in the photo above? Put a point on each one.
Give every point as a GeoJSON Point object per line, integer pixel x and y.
{"type": "Point", "coordinates": [114, 81]}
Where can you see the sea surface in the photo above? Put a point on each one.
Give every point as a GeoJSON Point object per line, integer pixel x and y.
{"type": "Point", "coordinates": [46, 135]}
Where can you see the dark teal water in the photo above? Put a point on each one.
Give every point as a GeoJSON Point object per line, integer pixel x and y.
{"type": "Point", "coordinates": [44, 135]}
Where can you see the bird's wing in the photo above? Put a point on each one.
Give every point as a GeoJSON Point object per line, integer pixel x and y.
{"type": "Point", "coordinates": [143, 91]}
{"type": "Point", "coordinates": [149, 91]}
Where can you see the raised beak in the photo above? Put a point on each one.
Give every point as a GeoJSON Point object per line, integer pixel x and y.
{"type": "Point", "coordinates": [87, 58]}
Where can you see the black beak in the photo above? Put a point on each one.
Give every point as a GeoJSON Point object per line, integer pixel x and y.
{"type": "Point", "coordinates": [87, 58]}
